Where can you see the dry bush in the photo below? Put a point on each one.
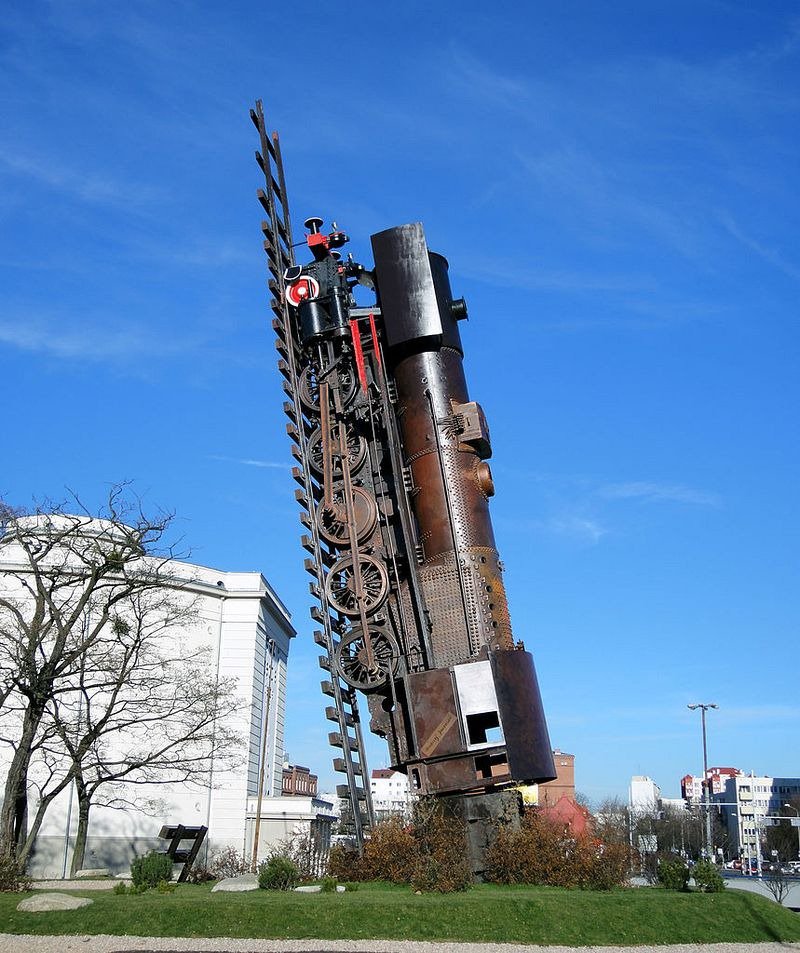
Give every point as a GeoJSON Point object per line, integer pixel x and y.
{"type": "Point", "coordinates": [391, 853]}
{"type": "Point", "coordinates": [227, 863]}
{"type": "Point", "coordinates": [442, 862]}
{"type": "Point", "coordinates": [543, 852]}
{"type": "Point", "coordinates": [306, 851]}
{"type": "Point", "coordinates": [430, 853]}
{"type": "Point", "coordinates": [344, 863]}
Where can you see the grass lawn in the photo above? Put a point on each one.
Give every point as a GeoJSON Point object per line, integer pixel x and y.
{"type": "Point", "coordinates": [538, 915]}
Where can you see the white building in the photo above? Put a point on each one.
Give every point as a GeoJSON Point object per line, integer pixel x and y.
{"type": "Point", "coordinates": [240, 625]}
{"type": "Point", "coordinates": [643, 795]}
{"type": "Point", "coordinates": [391, 793]}
{"type": "Point", "coordinates": [747, 804]}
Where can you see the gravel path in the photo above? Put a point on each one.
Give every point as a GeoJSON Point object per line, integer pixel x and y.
{"type": "Point", "coordinates": [129, 944]}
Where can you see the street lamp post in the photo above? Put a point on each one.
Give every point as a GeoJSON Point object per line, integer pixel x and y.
{"type": "Point", "coordinates": [703, 709]}
{"type": "Point", "coordinates": [798, 828]}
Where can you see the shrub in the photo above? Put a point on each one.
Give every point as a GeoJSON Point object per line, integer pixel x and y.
{"type": "Point", "coordinates": [443, 864]}
{"type": "Point", "coordinates": [227, 863]}
{"type": "Point", "coordinates": [673, 874]}
{"type": "Point", "coordinates": [12, 876]}
{"type": "Point", "coordinates": [146, 871]}
{"type": "Point", "coordinates": [200, 874]}
{"type": "Point", "coordinates": [120, 889]}
{"type": "Point", "coordinates": [344, 863]}
{"type": "Point", "coordinates": [391, 853]}
{"type": "Point", "coordinates": [328, 885]}
{"type": "Point", "coordinates": [278, 873]}
{"type": "Point", "coordinates": [307, 852]}
{"type": "Point", "coordinates": [430, 853]}
{"type": "Point", "coordinates": [543, 851]}
{"type": "Point", "coordinates": [707, 878]}
{"type": "Point", "coordinates": [164, 886]}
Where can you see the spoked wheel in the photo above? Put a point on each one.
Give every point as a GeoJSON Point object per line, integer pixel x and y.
{"type": "Point", "coordinates": [340, 585]}
{"type": "Point", "coordinates": [356, 453]}
{"type": "Point", "coordinates": [352, 663]}
{"type": "Point", "coordinates": [309, 386]}
{"type": "Point", "coordinates": [332, 520]}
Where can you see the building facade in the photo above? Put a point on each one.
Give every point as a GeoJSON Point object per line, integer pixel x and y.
{"type": "Point", "coordinates": [391, 793]}
{"type": "Point", "coordinates": [551, 792]}
{"type": "Point", "coordinates": [692, 787]}
{"type": "Point", "coordinates": [298, 781]}
{"type": "Point", "coordinates": [748, 804]}
{"type": "Point", "coordinates": [240, 626]}
{"type": "Point", "coordinates": [643, 795]}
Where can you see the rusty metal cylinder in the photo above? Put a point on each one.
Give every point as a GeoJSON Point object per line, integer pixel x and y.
{"type": "Point", "coordinates": [445, 454]}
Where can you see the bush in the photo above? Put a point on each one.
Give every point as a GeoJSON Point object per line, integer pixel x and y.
{"type": "Point", "coordinates": [430, 853]}
{"type": "Point", "coordinates": [278, 873]}
{"type": "Point", "coordinates": [164, 886]}
{"type": "Point", "coordinates": [148, 870]}
{"type": "Point", "coordinates": [328, 885]}
{"type": "Point", "coordinates": [344, 863]}
{"type": "Point", "coordinates": [227, 863]}
{"type": "Point", "coordinates": [120, 889]}
{"type": "Point", "coordinates": [707, 878]}
{"type": "Point", "coordinates": [442, 864]}
{"type": "Point", "coordinates": [12, 876]}
{"type": "Point", "coordinates": [391, 853]}
{"type": "Point", "coordinates": [543, 851]}
{"type": "Point", "coordinates": [673, 874]}
{"type": "Point", "coordinates": [200, 874]}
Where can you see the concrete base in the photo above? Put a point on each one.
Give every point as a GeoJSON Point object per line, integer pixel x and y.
{"type": "Point", "coordinates": [483, 815]}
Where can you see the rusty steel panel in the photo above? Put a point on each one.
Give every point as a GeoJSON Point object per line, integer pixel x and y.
{"type": "Point", "coordinates": [522, 715]}
{"type": "Point", "coordinates": [436, 718]}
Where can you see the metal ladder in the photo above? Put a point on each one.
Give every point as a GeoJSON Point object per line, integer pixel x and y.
{"type": "Point", "coordinates": [344, 712]}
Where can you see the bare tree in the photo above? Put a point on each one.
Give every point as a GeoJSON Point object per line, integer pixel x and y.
{"type": "Point", "coordinates": [782, 836]}
{"type": "Point", "coordinates": [90, 690]}
{"type": "Point", "coordinates": [777, 882]}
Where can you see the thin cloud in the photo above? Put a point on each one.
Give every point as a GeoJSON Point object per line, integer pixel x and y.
{"type": "Point", "coordinates": [80, 184]}
{"type": "Point", "coordinates": [657, 493]}
{"type": "Point", "coordinates": [767, 254]}
{"type": "Point", "coordinates": [767, 712]}
{"type": "Point", "coordinates": [243, 461]}
{"type": "Point", "coordinates": [84, 342]}
{"type": "Point", "coordinates": [576, 527]}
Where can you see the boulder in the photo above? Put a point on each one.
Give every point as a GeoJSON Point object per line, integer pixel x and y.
{"type": "Point", "coordinates": [45, 902]}
{"type": "Point", "coordinates": [237, 884]}
{"type": "Point", "coordinates": [315, 888]}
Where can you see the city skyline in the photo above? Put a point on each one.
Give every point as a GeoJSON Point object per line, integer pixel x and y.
{"type": "Point", "coordinates": [615, 193]}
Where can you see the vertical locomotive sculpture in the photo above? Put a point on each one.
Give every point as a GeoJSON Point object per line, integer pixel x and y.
{"type": "Point", "coordinates": [394, 487]}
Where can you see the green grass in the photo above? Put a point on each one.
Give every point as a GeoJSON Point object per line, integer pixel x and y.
{"type": "Point", "coordinates": [537, 915]}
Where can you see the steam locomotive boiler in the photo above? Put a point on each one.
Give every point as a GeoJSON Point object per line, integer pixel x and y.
{"type": "Point", "coordinates": [394, 487]}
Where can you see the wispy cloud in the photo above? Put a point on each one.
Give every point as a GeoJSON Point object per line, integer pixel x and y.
{"type": "Point", "coordinates": [86, 342]}
{"type": "Point", "coordinates": [521, 276]}
{"type": "Point", "coordinates": [244, 461]}
{"type": "Point", "coordinates": [770, 255]}
{"type": "Point", "coordinates": [80, 183]}
{"type": "Point", "coordinates": [648, 492]}
{"type": "Point", "coordinates": [580, 528]}
{"type": "Point", "coordinates": [766, 712]}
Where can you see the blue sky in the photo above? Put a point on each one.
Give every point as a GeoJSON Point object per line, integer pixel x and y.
{"type": "Point", "coordinates": [615, 186]}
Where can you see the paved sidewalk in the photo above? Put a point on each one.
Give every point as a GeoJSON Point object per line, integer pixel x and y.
{"type": "Point", "coordinates": [129, 944]}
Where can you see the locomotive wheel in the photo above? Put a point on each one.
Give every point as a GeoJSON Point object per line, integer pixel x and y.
{"type": "Point", "coordinates": [341, 590]}
{"type": "Point", "coordinates": [309, 386]}
{"type": "Point", "coordinates": [332, 520]}
{"type": "Point", "coordinates": [351, 658]}
{"type": "Point", "coordinates": [356, 453]}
